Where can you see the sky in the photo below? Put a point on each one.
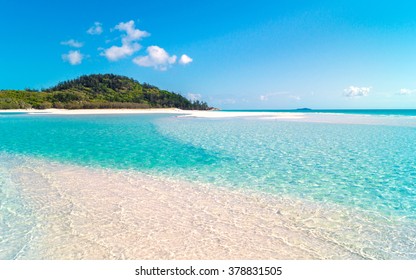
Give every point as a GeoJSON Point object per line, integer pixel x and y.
{"type": "Point", "coordinates": [232, 54]}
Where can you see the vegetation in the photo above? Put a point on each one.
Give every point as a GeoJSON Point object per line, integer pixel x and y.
{"type": "Point", "coordinates": [98, 92]}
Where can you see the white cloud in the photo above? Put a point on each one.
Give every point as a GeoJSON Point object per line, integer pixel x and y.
{"type": "Point", "coordinates": [96, 29]}
{"type": "Point", "coordinates": [353, 91]}
{"type": "Point", "coordinates": [132, 34]}
{"type": "Point", "coordinates": [72, 43]}
{"type": "Point", "coordinates": [128, 41]}
{"type": "Point", "coordinates": [157, 58]}
{"type": "Point", "coordinates": [406, 91]}
{"type": "Point", "coordinates": [194, 96]}
{"type": "Point", "coordinates": [115, 53]}
{"type": "Point", "coordinates": [185, 59]}
{"type": "Point", "coordinates": [73, 57]}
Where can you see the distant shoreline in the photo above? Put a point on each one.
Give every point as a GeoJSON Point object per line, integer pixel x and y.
{"type": "Point", "coordinates": [95, 111]}
{"type": "Point", "coordinates": [320, 116]}
{"type": "Point", "coordinates": [185, 113]}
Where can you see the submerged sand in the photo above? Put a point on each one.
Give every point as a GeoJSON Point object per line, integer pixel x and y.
{"type": "Point", "coordinates": [91, 213]}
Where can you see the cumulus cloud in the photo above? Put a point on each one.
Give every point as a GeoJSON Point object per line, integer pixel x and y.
{"type": "Point", "coordinates": [128, 41]}
{"type": "Point", "coordinates": [115, 53]}
{"type": "Point", "coordinates": [72, 43]}
{"type": "Point", "coordinates": [73, 57]}
{"type": "Point", "coordinates": [157, 58]}
{"type": "Point", "coordinates": [185, 59]}
{"type": "Point", "coordinates": [406, 91]}
{"type": "Point", "coordinates": [194, 96]}
{"type": "Point", "coordinates": [132, 33]}
{"type": "Point", "coordinates": [128, 44]}
{"type": "Point", "coordinates": [353, 91]}
{"type": "Point", "coordinates": [96, 29]}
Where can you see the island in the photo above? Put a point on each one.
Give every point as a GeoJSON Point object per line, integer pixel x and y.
{"type": "Point", "coordinates": [98, 91]}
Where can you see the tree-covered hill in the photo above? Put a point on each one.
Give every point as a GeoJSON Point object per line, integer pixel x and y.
{"type": "Point", "coordinates": [97, 91]}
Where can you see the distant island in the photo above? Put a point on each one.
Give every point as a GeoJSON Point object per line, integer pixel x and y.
{"type": "Point", "coordinates": [98, 91]}
{"type": "Point", "coordinates": [304, 109]}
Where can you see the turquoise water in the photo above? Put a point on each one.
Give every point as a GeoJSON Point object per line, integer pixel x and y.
{"type": "Point", "coordinates": [366, 167]}
{"type": "Point", "coordinates": [108, 141]}
{"type": "Point", "coordinates": [370, 167]}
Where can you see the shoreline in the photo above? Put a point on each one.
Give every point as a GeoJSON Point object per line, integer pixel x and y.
{"type": "Point", "coordinates": [96, 111]}
{"type": "Point", "coordinates": [183, 113]}
{"type": "Point", "coordinates": [323, 118]}
{"type": "Point", "coordinates": [314, 117]}
{"type": "Point", "coordinates": [95, 213]}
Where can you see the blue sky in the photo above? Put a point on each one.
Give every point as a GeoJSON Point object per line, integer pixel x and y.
{"type": "Point", "coordinates": [234, 55]}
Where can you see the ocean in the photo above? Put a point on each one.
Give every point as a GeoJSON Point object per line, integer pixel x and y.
{"type": "Point", "coordinates": [346, 179]}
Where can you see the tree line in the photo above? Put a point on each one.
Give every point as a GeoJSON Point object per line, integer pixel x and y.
{"type": "Point", "coordinates": [98, 91]}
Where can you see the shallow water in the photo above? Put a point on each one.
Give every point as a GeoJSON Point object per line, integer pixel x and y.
{"type": "Point", "coordinates": [90, 213]}
{"type": "Point", "coordinates": [342, 182]}
{"type": "Point", "coordinates": [367, 166]}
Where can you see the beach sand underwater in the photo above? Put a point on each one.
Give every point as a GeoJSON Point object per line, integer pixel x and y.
{"type": "Point", "coordinates": [226, 187]}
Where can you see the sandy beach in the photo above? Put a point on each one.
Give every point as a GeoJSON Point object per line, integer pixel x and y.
{"type": "Point", "coordinates": [96, 111]}
{"type": "Point", "coordinates": [267, 116]}
{"type": "Point", "coordinates": [183, 113]}
{"type": "Point", "coordinates": [284, 116]}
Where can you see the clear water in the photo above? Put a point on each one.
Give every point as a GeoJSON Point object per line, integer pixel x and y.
{"type": "Point", "coordinates": [368, 167]}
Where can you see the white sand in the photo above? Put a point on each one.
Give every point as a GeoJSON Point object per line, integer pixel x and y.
{"type": "Point", "coordinates": [263, 115]}
{"type": "Point", "coordinates": [86, 213]}
{"type": "Point", "coordinates": [97, 111]}
{"type": "Point", "coordinates": [183, 113]}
